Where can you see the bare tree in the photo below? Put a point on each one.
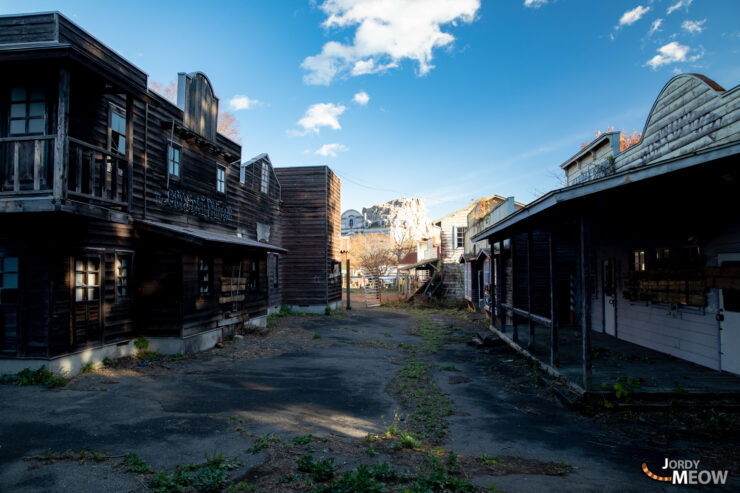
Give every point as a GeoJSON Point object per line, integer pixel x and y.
{"type": "Point", "coordinates": [372, 253]}
{"type": "Point", "coordinates": [169, 92]}
{"type": "Point", "coordinates": [402, 243]}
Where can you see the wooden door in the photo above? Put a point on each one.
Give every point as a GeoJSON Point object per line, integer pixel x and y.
{"type": "Point", "coordinates": [609, 288]}
{"type": "Point", "coordinates": [86, 299]}
{"type": "Point", "coordinates": [729, 306]}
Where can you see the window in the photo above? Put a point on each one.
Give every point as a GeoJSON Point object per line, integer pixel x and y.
{"type": "Point", "coordinates": [117, 130]}
{"type": "Point", "coordinates": [173, 160]}
{"type": "Point", "coordinates": [460, 237]}
{"type": "Point", "coordinates": [254, 276]}
{"type": "Point", "coordinates": [639, 260]}
{"type": "Point", "coordinates": [662, 254]}
{"type": "Point", "coordinates": [87, 279]}
{"type": "Point", "coordinates": [123, 276]}
{"type": "Point", "coordinates": [27, 111]}
{"type": "Point", "coordinates": [265, 178]}
{"type": "Point", "coordinates": [204, 278]}
{"type": "Point", "coordinates": [351, 223]}
{"type": "Point", "coordinates": [221, 179]}
{"type": "Point", "coordinates": [8, 280]}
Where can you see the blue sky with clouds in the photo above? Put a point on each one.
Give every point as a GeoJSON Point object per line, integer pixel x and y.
{"type": "Point", "coordinates": [447, 100]}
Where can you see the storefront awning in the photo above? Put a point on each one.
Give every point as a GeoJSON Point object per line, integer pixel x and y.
{"type": "Point", "coordinates": [201, 237]}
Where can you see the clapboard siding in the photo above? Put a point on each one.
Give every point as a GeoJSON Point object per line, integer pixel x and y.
{"type": "Point", "coordinates": [28, 28]}
{"type": "Point", "coordinates": [311, 221]}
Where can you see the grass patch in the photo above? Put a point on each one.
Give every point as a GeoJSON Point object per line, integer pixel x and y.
{"type": "Point", "coordinates": [316, 335]}
{"type": "Point", "coordinates": [134, 463]}
{"type": "Point", "coordinates": [319, 471]}
{"type": "Point", "coordinates": [414, 386]}
{"type": "Point", "coordinates": [40, 376]}
{"type": "Point", "coordinates": [376, 344]}
{"type": "Point", "coordinates": [210, 476]}
{"type": "Point", "coordinates": [433, 335]}
{"type": "Point", "coordinates": [264, 442]}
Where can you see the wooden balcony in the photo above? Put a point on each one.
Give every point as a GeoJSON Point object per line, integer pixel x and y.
{"type": "Point", "coordinates": [35, 176]}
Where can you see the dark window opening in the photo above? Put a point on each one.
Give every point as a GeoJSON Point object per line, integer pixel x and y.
{"type": "Point", "coordinates": [123, 276]}
{"type": "Point", "coordinates": [204, 278]}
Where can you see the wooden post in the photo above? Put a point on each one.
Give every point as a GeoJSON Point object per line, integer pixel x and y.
{"type": "Point", "coordinates": [554, 308]}
{"type": "Point", "coordinates": [17, 166]}
{"type": "Point", "coordinates": [586, 298]}
{"type": "Point", "coordinates": [499, 287]}
{"type": "Point", "coordinates": [61, 143]}
{"type": "Point", "coordinates": [530, 285]}
{"type": "Point", "coordinates": [129, 178]}
{"type": "Point", "coordinates": [514, 300]}
{"type": "Point", "coordinates": [349, 276]}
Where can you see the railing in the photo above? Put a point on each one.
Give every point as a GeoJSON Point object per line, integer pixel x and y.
{"type": "Point", "coordinates": [97, 175]}
{"type": "Point", "coordinates": [26, 164]}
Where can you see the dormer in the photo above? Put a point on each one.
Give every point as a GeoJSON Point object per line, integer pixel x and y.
{"type": "Point", "coordinates": [195, 97]}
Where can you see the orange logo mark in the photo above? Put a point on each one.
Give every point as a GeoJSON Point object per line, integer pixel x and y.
{"type": "Point", "coordinates": [654, 476]}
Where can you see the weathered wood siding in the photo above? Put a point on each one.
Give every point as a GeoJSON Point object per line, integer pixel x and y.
{"type": "Point", "coordinates": [311, 221]}
{"type": "Point", "coordinates": [688, 116]}
{"type": "Point", "coordinates": [333, 233]}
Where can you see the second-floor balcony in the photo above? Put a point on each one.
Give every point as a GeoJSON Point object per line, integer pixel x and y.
{"type": "Point", "coordinates": [32, 167]}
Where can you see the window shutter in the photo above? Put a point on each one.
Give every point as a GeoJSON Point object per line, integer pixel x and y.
{"type": "Point", "coordinates": [454, 237]}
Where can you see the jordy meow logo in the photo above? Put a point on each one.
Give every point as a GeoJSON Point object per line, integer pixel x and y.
{"type": "Point", "coordinates": [685, 472]}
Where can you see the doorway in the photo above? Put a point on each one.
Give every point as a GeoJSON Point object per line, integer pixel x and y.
{"type": "Point", "coordinates": [609, 288]}
{"type": "Point", "coordinates": [729, 306]}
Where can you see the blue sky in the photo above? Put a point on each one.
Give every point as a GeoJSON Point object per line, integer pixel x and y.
{"type": "Point", "coordinates": [465, 98]}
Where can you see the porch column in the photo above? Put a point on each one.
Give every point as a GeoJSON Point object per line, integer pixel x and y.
{"type": "Point", "coordinates": [61, 143]}
{"type": "Point", "coordinates": [586, 298]}
{"type": "Point", "coordinates": [129, 150]}
{"type": "Point", "coordinates": [515, 335]}
{"type": "Point", "coordinates": [554, 308]}
{"type": "Point", "coordinates": [530, 285]}
{"type": "Point", "coordinates": [499, 287]}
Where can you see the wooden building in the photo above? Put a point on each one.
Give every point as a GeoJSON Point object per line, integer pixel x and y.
{"type": "Point", "coordinates": [642, 247]}
{"type": "Point", "coordinates": [121, 213]}
{"type": "Point", "coordinates": [311, 217]}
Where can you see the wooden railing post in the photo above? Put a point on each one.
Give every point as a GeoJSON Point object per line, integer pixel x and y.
{"type": "Point", "coordinates": [17, 167]}
{"type": "Point", "coordinates": [61, 144]}
{"type": "Point", "coordinates": [586, 298]}
{"type": "Point", "coordinates": [530, 285]}
{"type": "Point", "coordinates": [514, 286]}
{"type": "Point", "coordinates": [554, 308]}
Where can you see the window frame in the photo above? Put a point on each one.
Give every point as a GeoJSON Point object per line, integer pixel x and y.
{"type": "Point", "coordinates": [171, 147]}
{"type": "Point", "coordinates": [460, 236]}
{"type": "Point", "coordinates": [221, 179]}
{"type": "Point", "coordinates": [27, 118]}
{"type": "Point", "coordinates": [114, 108]}
{"type": "Point", "coordinates": [265, 178]}
{"type": "Point", "coordinates": [129, 255]}
{"type": "Point", "coordinates": [86, 287]}
{"type": "Point", "coordinates": [206, 283]}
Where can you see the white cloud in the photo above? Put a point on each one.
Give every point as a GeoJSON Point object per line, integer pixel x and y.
{"type": "Point", "coordinates": [535, 4]}
{"type": "Point", "coordinates": [632, 16]}
{"type": "Point", "coordinates": [678, 5]}
{"type": "Point", "coordinates": [387, 32]}
{"type": "Point", "coordinates": [671, 53]}
{"type": "Point", "coordinates": [361, 98]}
{"type": "Point", "coordinates": [655, 27]}
{"type": "Point", "coordinates": [331, 149]}
{"type": "Point", "coordinates": [693, 26]}
{"type": "Point", "coordinates": [319, 115]}
{"type": "Point", "coordinates": [242, 102]}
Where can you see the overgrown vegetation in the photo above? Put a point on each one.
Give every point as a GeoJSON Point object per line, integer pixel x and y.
{"type": "Point", "coordinates": [40, 376]}
{"type": "Point", "coordinates": [134, 463]}
{"type": "Point", "coordinates": [209, 476]}
{"type": "Point", "coordinates": [433, 335]}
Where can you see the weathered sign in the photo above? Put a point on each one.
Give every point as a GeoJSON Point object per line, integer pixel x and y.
{"type": "Point", "coordinates": [194, 204]}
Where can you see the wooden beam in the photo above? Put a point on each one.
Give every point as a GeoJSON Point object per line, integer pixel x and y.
{"type": "Point", "coordinates": [129, 178]}
{"type": "Point", "coordinates": [527, 314]}
{"type": "Point", "coordinates": [586, 298]}
{"type": "Point", "coordinates": [61, 144]}
{"type": "Point", "coordinates": [514, 300]}
{"type": "Point", "coordinates": [530, 285]}
{"type": "Point", "coordinates": [554, 308]}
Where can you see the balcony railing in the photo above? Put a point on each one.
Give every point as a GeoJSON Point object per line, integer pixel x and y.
{"type": "Point", "coordinates": [26, 165]}
{"type": "Point", "coordinates": [93, 175]}
{"type": "Point", "coordinates": [96, 174]}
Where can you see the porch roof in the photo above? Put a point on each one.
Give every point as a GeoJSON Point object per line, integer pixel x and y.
{"type": "Point", "coordinates": [200, 236]}
{"type": "Point", "coordinates": [428, 263]}
{"type": "Point", "coordinates": [558, 197]}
